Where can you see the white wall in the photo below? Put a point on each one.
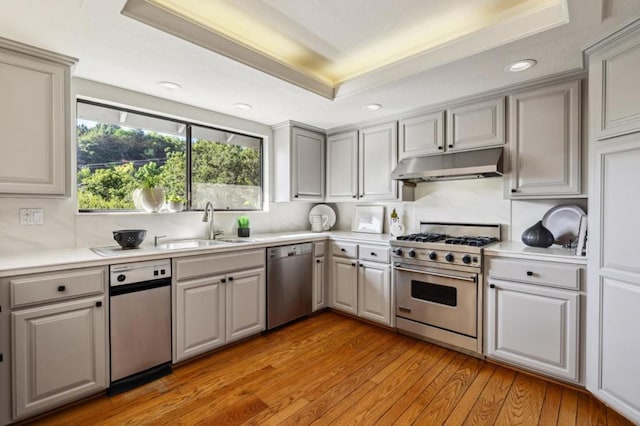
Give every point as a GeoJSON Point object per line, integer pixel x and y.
{"type": "Point", "coordinates": [64, 227]}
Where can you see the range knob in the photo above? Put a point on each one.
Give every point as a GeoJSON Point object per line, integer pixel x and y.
{"type": "Point", "coordinates": [397, 252]}
{"type": "Point", "coordinates": [449, 257]}
{"type": "Point", "coordinates": [412, 253]}
{"type": "Point", "coordinates": [121, 277]}
{"type": "Point", "coordinates": [433, 255]}
{"type": "Point", "coordinates": [466, 259]}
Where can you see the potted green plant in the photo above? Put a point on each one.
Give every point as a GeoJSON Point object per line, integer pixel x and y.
{"type": "Point", "coordinates": [176, 202]}
{"type": "Point", "coordinates": [243, 226]}
{"type": "Point", "coordinates": [152, 196]}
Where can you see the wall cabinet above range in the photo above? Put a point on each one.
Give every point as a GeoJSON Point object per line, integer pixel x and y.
{"type": "Point", "coordinates": [298, 163]}
{"type": "Point", "coordinates": [469, 126]}
{"type": "Point", "coordinates": [35, 120]}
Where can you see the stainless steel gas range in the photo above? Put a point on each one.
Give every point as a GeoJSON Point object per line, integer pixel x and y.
{"type": "Point", "coordinates": [438, 283]}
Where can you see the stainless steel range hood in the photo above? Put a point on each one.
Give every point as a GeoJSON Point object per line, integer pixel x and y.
{"type": "Point", "coordinates": [458, 165]}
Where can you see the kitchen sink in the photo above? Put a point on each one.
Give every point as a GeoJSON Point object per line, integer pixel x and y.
{"type": "Point", "coordinates": [236, 240]}
{"type": "Point", "coordinates": [187, 244]}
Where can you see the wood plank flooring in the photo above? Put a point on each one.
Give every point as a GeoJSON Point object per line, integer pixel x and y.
{"type": "Point", "coordinates": [330, 369]}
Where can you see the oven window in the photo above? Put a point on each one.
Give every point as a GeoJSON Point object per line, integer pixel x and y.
{"type": "Point", "coordinates": [443, 295]}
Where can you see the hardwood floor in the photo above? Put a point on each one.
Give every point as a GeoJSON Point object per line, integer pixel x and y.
{"type": "Point", "coordinates": [330, 369]}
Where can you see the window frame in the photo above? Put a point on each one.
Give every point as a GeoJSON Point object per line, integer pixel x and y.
{"type": "Point", "coordinates": [188, 156]}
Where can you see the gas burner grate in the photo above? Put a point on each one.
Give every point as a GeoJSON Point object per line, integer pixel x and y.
{"type": "Point", "coordinates": [470, 241]}
{"type": "Point", "coordinates": [423, 238]}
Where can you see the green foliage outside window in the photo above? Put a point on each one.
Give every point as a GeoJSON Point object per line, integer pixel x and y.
{"type": "Point", "coordinates": [115, 161]}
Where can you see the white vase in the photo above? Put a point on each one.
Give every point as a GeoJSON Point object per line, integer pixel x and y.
{"type": "Point", "coordinates": [152, 199]}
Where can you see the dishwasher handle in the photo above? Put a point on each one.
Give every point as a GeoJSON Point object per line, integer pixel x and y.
{"type": "Point", "coordinates": [142, 286]}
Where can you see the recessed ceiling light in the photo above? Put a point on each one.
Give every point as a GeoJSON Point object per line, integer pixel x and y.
{"type": "Point", "coordinates": [521, 65]}
{"type": "Point", "coordinates": [373, 107]}
{"type": "Point", "coordinates": [241, 105]}
{"type": "Point", "coordinates": [169, 85]}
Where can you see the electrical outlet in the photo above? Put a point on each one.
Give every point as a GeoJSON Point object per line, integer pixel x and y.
{"type": "Point", "coordinates": [31, 216]}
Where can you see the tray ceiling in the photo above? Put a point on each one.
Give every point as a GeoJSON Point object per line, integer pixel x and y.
{"type": "Point", "coordinates": [337, 47]}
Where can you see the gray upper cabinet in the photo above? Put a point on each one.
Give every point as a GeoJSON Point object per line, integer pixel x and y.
{"type": "Point", "coordinates": [35, 120]}
{"type": "Point", "coordinates": [476, 125]}
{"type": "Point", "coordinates": [545, 142]}
{"type": "Point", "coordinates": [615, 105]}
{"type": "Point", "coordinates": [298, 163]}
{"type": "Point", "coordinates": [342, 166]}
{"type": "Point", "coordinates": [378, 155]}
{"type": "Point", "coordinates": [421, 135]}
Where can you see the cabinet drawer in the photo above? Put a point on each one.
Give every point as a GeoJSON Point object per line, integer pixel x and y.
{"type": "Point", "coordinates": [206, 265]}
{"type": "Point", "coordinates": [551, 274]}
{"type": "Point", "coordinates": [319, 248]}
{"type": "Point", "coordinates": [374, 253]}
{"type": "Point", "coordinates": [38, 288]}
{"type": "Point", "coordinates": [340, 248]}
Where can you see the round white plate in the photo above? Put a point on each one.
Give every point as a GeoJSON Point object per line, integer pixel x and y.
{"type": "Point", "coordinates": [563, 221]}
{"type": "Point", "coordinates": [324, 210]}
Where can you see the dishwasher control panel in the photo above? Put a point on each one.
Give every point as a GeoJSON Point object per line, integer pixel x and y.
{"type": "Point", "coordinates": [136, 272]}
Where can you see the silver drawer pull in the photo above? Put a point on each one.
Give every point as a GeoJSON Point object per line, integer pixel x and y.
{"type": "Point", "coordinates": [453, 277]}
{"type": "Point", "coordinates": [403, 309]}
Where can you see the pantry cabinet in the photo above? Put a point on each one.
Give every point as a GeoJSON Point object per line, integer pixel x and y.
{"type": "Point", "coordinates": [614, 272]}
{"type": "Point", "coordinates": [217, 299]}
{"type": "Point", "coordinates": [298, 163]}
{"type": "Point", "coordinates": [533, 315]}
{"type": "Point", "coordinates": [35, 117]}
{"type": "Point", "coordinates": [545, 141]}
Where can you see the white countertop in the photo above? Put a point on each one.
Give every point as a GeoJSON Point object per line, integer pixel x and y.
{"type": "Point", "coordinates": [521, 251]}
{"type": "Point", "coordinates": [60, 259]}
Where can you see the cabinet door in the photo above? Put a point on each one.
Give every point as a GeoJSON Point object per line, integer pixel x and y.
{"type": "Point", "coordinates": [545, 141]}
{"type": "Point", "coordinates": [374, 292]}
{"type": "Point", "coordinates": [342, 167]}
{"type": "Point", "coordinates": [614, 89]}
{"type": "Point", "coordinates": [34, 118]}
{"type": "Point", "coordinates": [246, 300]}
{"type": "Point", "coordinates": [534, 327]}
{"type": "Point", "coordinates": [378, 154]}
{"type": "Point", "coordinates": [319, 284]}
{"type": "Point", "coordinates": [59, 354]}
{"type": "Point", "coordinates": [344, 285]}
{"type": "Point", "coordinates": [421, 135]}
{"type": "Point", "coordinates": [476, 125]}
{"type": "Point", "coordinates": [307, 166]}
{"type": "Point", "coordinates": [200, 315]}
{"type": "Point", "coordinates": [613, 285]}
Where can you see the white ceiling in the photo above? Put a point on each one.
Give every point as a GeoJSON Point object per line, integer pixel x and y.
{"type": "Point", "coordinates": [120, 51]}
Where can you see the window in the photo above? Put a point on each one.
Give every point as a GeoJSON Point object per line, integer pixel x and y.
{"type": "Point", "coordinates": [120, 151]}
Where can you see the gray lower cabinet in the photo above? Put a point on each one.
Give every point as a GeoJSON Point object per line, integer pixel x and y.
{"type": "Point", "coordinates": [319, 298]}
{"type": "Point", "coordinates": [361, 281]}
{"type": "Point", "coordinates": [218, 299]}
{"type": "Point", "coordinates": [59, 354]}
{"type": "Point", "coordinates": [545, 142]}
{"type": "Point", "coordinates": [533, 316]}
{"type": "Point", "coordinates": [344, 285]}
{"type": "Point", "coordinates": [58, 328]}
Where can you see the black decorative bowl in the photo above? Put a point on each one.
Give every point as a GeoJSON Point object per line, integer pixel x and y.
{"type": "Point", "coordinates": [129, 238]}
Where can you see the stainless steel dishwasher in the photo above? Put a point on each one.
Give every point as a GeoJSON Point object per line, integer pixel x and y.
{"type": "Point", "coordinates": [139, 323]}
{"type": "Point", "coordinates": [289, 283]}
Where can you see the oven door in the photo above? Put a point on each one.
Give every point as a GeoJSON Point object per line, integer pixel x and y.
{"type": "Point", "coordinates": [446, 299]}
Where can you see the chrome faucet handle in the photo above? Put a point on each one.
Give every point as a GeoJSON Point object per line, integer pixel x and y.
{"type": "Point", "coordinates": [217, 232]}
{"type": "Point", "coordinates": [156, 238]}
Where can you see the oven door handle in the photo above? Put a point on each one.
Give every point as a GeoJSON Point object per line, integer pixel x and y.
{"type": "Point", "coordinates": [453, 277]}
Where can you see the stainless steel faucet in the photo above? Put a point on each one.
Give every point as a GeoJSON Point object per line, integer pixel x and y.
{"type": "Point", "coordinates": [208, 217]}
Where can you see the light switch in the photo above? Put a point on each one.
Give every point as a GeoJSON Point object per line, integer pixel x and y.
{"type": "Point", "coordinates": [31, 216]}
